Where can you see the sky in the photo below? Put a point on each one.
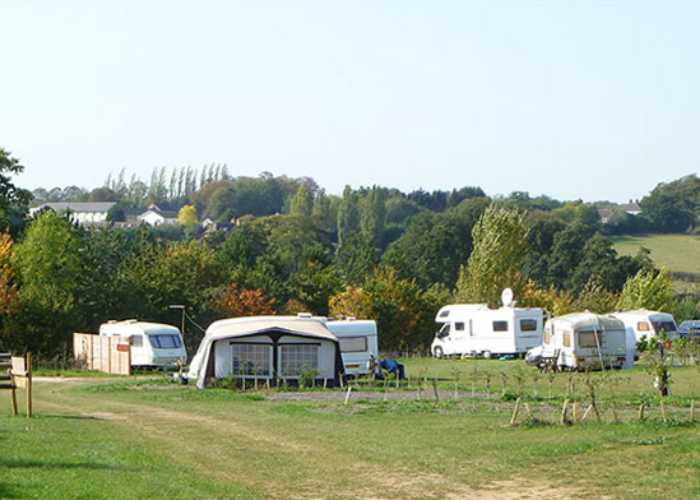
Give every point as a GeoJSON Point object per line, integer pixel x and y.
{"type": "Point", "coordinates": [578, 99]}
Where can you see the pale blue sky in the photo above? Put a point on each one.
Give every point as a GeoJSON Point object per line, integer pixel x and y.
{"type": "Point", "coordinates": [574, 99]}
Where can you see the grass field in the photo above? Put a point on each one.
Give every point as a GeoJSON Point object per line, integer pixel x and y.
{"type": "Point", "coordinates": [146, 438]}
{"type": "Point", "coordinates": [678, 252]}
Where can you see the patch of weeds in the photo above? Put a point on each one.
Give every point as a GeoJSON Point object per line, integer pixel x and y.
{"type": "Point", "coordinates": [533, 422]}
{"type": "Point", "coordinates": [405, 407]}
{"type": "Point", "coordinates": [509, 396]}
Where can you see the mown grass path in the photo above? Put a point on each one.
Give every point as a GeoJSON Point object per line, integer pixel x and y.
{"type": "Point", "coordinates": [144, 439]}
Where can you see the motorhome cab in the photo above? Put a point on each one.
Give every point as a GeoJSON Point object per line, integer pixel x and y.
{"type": "Point", "coordinates": [359, 345]}
{"type": "Point", "coordinates": [475, 329]}
{"type": "Point", "coordinates": [584, 340]}
{"type": "Point", "coordinates": [152, 344]}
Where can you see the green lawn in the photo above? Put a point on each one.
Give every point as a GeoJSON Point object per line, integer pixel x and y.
{"type": "Point", "coordinates": [678, 252]}
{"type": "Point", "coordinates": [146, 438]}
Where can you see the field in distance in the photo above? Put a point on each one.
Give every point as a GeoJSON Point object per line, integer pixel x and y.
{"type": "Point", "coordinates": [677, 252]}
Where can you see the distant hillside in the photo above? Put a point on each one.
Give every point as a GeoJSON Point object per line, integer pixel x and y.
{"type": "Point", "coordinates": [680, 253]}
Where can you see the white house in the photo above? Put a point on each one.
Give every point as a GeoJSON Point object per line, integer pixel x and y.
{"type": "Point", "coordinates": [154, 216]}
{"type": "Point", "coordinates": [83, 213]}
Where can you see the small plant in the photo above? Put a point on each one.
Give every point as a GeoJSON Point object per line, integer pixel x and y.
{"type": "Point", "coordinates": [658, 368]}
{"type": "Point", "coordinates": [307, 377]}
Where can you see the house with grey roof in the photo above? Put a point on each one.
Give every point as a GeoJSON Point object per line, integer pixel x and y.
{"type": "Point", "coordinates": [84, 213]}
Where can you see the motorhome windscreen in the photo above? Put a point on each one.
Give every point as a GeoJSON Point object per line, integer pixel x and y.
{"type": "Point", "coordinates": [528, 325]}
{"type": "Point", "coordinates": [444, 331]}
{"type": "Point", "coordinates": [165, 341]}
{"type": "Point", "coordinates": [252, 359]}
{"type": "Point", "coordinates": [588, 339]}
{"type": "Point", "coordinates": [353, 344]}
{"type": "Point", "coordinates": [295, 358]}
{"type": "Point", "coordinates": [665, 326]}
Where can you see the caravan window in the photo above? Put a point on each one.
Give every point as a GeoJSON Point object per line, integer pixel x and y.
{"type": "Point", "coordinates": [353, 344]}
{"type": "Point", "coordinates": [566, 339]}
{"type": "Point", "coordinates": [137, 340]}
{"type": "Point", "coordinates": [588, 339]}
{"type": "Point", "coordinates": [500, 326]}
{"type": "Point", "coordinates": [165, 341]}
{"type": "Point", "coordinates": [295, 358]}
{"type": "Point", "coordinates": [528, 325]}
{"type": "Point", "coordinates": [459, 327]}
{"type": "Point", "coordinates": [664, 326]}
{"type": "Point", "coordinates": [251, 359]}
{"type": "Point", "coordinates": [643, 326]}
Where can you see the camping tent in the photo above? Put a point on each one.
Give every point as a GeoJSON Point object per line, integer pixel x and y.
{"type": "Point", "coordinates": [267, 347]}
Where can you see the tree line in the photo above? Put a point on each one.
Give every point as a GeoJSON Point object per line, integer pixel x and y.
{"type": "Point", "coordinates": [370, 252]}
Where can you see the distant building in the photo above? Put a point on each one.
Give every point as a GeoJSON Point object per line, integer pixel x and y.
{"type": "Point", "coordinates": [154, 216]}
{"type": "Point", "coordinates": [605, 214]}
{"type": "Point", "coordinates": [632, 207]}
{"type": "Point", "coordinates": [89, 213]}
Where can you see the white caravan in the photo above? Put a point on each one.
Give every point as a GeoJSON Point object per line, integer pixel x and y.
{"type": "Point", "coordinates": [643, 323]}
{"type": "Point", "coordinates": [584, 340]}
{"type": "Point", "coordinates": [477, 330]}
{"type": "Point", "coordinates": [152, 344]}
{"type": "Point", "coordinates": [359, 345]}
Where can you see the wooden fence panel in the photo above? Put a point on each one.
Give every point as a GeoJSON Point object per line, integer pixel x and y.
{"type": "Point", "coordinates": [106, 354]}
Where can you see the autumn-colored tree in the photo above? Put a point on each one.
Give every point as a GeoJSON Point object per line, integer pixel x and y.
{"type": "Point", "coordinates": [596, 298]}
{"type": "Point", "coordinates": [353, 301]}
{"type": "Point", "coordinates": [8, 288]}
{"type": "Point", "coordinates": [237, 302]}
{"type": "Point", "coordinates": [187, 217]}
{"type": "Point", "coordinates": [557, 302]}
{"type": "Point", "coordinates": [294, 306]}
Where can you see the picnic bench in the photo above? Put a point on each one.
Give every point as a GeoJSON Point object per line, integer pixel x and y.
{"type": "Point", "coordinates": [16, 373]}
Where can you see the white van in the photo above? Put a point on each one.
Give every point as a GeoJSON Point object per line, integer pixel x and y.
{"type": "Point", "coordinates": [644, 323]}
{"type": "Point", "coordinates": [580, 341]}
{"type": "Point", "coordinates": [359, 344]}
{"type": "Point", "coordinates": [477, 330]}
{"type": "Point", "coordinates": [152, 344]}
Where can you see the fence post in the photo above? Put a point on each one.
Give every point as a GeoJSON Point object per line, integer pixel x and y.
{"type": "Point", "coordinates": [435, 391]}
{"type": "Point", "coordinates": [641, 411]}
{"type": "Point", "coordinates": [692, 411]}
{"type": "Point", "coordinates": [347, 395]}
{"type": "Point", "coordinates": [28, 373]}
{"type": "Point", "coordinates": [516, 410]}
{"type": "Point", "coordinates": [563, 412]}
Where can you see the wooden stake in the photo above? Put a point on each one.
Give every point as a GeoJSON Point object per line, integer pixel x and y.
{"type": "Point", "coordinates": [516, 410]}
{"type": "Point", "coordinates": [585, 413]}
{"type": "Point", "coordinates": [574, 412]}
{"type": "Point", "coordinates": [641, 411]}
{"type": "Point", "coordinates": [563, 420]}
{"type": "Point", "coordinates": [663, 411]}
{"type": "Point", "coordinates": [347, 394]}
{"type": "Point", "coordinates": [692, 411]}
{"type": "Point", "coordinates": [435, 391]}
{"type": "Point", "coordinates": [325, 383]}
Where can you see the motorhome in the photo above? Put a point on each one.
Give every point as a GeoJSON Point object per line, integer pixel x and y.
{"type": "Point", "coordinates": [151, 344]}
{"type": "Point", "coordinates": [477, 330]}
{"type": "Point", "coordinates": [581, 341]}
{"type": "Point", "coordinates": [644, 323]}
{"type": "Point", "coordinates": [359, 345]}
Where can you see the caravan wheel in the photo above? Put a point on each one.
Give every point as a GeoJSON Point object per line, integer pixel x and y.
{"type": "Point", "coordinates": [437, 352]}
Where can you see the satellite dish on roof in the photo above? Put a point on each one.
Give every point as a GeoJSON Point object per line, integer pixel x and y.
{"type": "Point", "coordinates": [507, 297]}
